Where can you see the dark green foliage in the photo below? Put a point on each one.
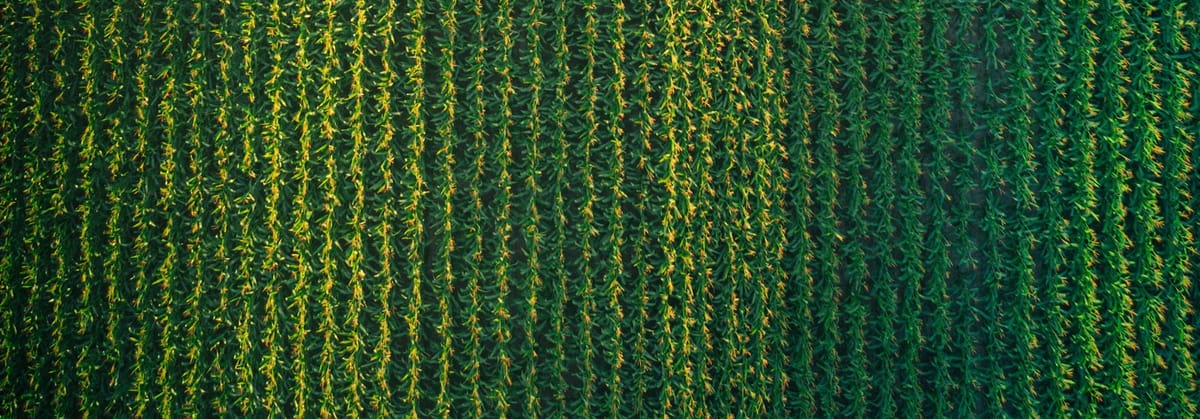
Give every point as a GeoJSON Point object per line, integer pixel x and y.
{"type": "Point", "coordinates": [1189, 63]}
{"type": "Point", "coordinates": [936, 111]}
{"type": "Point", "coordinates": [907, 249]}
{"type": "Point", "coordinates": [970, 284]}
{"type": "Point", "coordinates": [880, 177]}
{"type": "Point", "coordinates": [799, 287]}
{"type": "Point", "coordinates": [851, 200]}
{"type": "Point", "coordinates": [1113, 269]}
{"type": "Point", "coordinates": [1021, 235]}
{"type": "Point", "coordinates": [1047, 118]}
{"type": "Point", "coordinates": [1080, 200]}
{"type": "Point", "coordinates": [1178, 333]}
{"type": "Point", "coordinates": [468, 208]}
{"type": "Point", "coordinates": [1144, 219]}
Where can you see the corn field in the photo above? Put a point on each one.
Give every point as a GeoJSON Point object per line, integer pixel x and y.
{"type": "Point", "coordinates": [599, 208]}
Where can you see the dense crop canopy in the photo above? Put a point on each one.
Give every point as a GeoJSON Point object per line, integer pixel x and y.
{"type": "Point", "coordinates": [614, 208]}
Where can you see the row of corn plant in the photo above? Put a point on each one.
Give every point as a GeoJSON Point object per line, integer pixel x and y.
{"type": "Point", "coordinates": [300, 231]}
{"type": "Point", "coordinates": [168, 270]}
{"type": "Point", "coordinates": [471, 352]}
{"type": "Point", "coordinates": [675, 395]}
{"type": "Point", "coordinates": [586, 142]}
{"type": "Point", "coordinates": [272, 267]}
{"type": "Point", "coordinates": [1049, 313]}
{"type": "Point", "coordinates": [797, 308]}
{"type": "Point", "coordinates": [827, 334]}
{"type": "Point", "coordinates": [12, 188]}
{"type": "Point", "coordinates": [908, 200]}
{"type": "Point", "coordinates": [249, 233]}
{"type": "Point", "coordinates": [223, 211]}
{"type": "Point", "coordinates": [501, 148]}
{"type": "Point", "coordinates": [708, 245]}
{"type": "Point", "coordinates": [195, 330]}
{"type": "Point", "coordinates": [1176, 139]}
{"type": "Point", "coordinates": [531, 77]}
{"type": "Point", "coordinates": [413, 187]}
{"type": "Point", "coordinates": [64, 245]}
{"type": "Point", "coordinates": [37, 176]}
{"type": "Point", "coordinates": [353, 339]}
{"type": "Point", "coordinates": [1191, 20]}
{"type": "Point", "coordinates": [963, 213]}
{"type": "Point", "coordinates": [756, 160]}
{"type": "Point", "coordinates": [32, 170]}
{"type": "Point", "coordinates": [116, 293]}
{"type": "Point", "coordinates": [852, 197]}
{"type": "Point", "coordinates": [86, 364]}
{"type": "Point", "coordinates": [936, 109]}
{"type": "Point", "coordinates": [710, 355]}
{"type": "Point", "coordinates": [1020, 178]}
{"type": "Point", "coordinates": [556, 386]}
{"type": "Point", "coordinates": [476, 115]}
{"type": "Point", "coordinates": [250, 214]}
{"type": "Point", "coordinates": [768, 153]}
{"type": "Point", "coordinates": [327, 153]}
{"type": "Point", "coordinates": [640, 385]}
{"type": "Point", "coordinates": [612, 113]}
{"type": "Point", "coordinates": [1079, 190]}
{"type": "Point", "coordinates": [879, 175]}
{"type": "Point", "coordinates": [1008, 358]}
{"type": "Point", "coordinates": [989, 124]}
{"type": "Point", "coordinates": [1113, 270]}
{"type": "Point", "coordinates": [444, 118]}
{"type": "Point", "coordinates": [709, 76]}
{"type": "Point", "coordinates": [142, 219]}
{"type": "Point", "coordinates": [39, 274]}
{"type": "Point", "coordinates": [1144, 218]}
{"type": "Point", "coordinates": [384, 192]}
